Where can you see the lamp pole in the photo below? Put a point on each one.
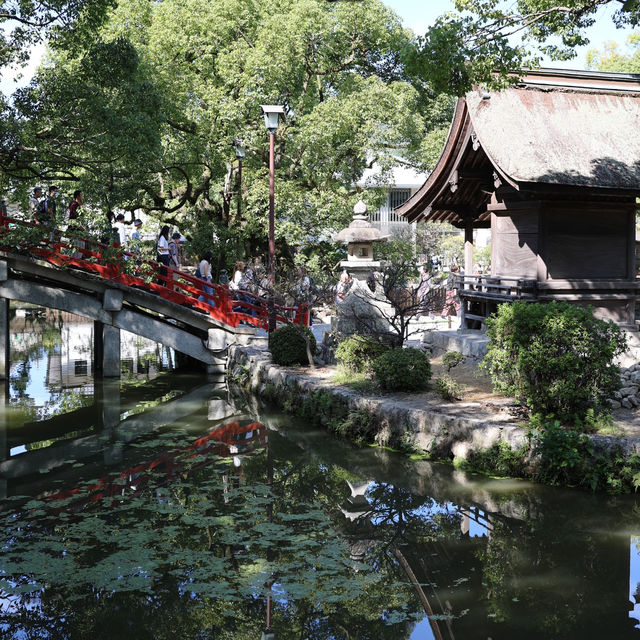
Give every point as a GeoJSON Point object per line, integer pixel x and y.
{"type": "Point", "coordinates": [238, 147]}
{"type": "Point", "coordinates": [271, 120]}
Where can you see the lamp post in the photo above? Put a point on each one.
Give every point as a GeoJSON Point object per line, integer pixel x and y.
{"type": "Point", "coordinates": [238, 147]}
{"type": "Point", "coordinates": [271, 121]}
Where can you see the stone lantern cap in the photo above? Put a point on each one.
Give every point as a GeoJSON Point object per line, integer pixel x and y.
{"type": "Point", "coordinates": [360, 229]}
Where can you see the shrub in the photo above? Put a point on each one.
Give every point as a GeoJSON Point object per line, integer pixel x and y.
{"type": "Point", "coordinates": [449, 388]}
{"type": "Point", "coordinates": [288, 345]}
{"type": "Point", "coordinates": [402, 370]}
{"type": "Point", "coordinates": [555, 358]}
{"type": "Point", "coordinates": [452, 359]}
{"type": "Point", "coordinates": [357, 353]}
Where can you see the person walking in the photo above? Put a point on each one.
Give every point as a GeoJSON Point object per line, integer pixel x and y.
{"type": "Point", "coordinates": [174, 244]}
{"type": "Point", "coordinates": [73, 225]}
{"type": "Point", "coordinates": [423, 290]}
{"type": "Point", "coordinates": [163, 256]}
{"type": "Point", "coordinates": [247, 286]}
{"type": "Point", "coordinates": [204, 271]}
{"type": "Point", "coordinates": [452, 302]}
{"type": "Point", "coordinates": [122, 231]}
{"type": "Point", "coordinates": [135, 234]}
{"type": "Point", "coordinates": [46, 211]}
{"type": "Point", "coordinates": [34, 203]}
{"type": "Point", "coordinates": [238, 270]}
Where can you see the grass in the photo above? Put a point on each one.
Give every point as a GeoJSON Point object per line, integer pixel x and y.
{"type": "Point", "coordinates": [610, 429]}
{"type": "Point", "coordinates": [355, 380]}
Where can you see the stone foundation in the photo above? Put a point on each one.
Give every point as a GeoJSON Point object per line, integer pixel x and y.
{"type": "Point", "coordinates": [445, 431]}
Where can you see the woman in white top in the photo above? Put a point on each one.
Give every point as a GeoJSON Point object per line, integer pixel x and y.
{"type": "Point", "coordinates": [238, 272]}
{"type": "Point", "coordinates": [163, 254]}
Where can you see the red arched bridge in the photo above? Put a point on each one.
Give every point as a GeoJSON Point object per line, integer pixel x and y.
{"type": "Point", "coordinates": [118, 290]}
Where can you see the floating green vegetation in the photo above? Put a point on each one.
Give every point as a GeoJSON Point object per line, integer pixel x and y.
{"type": "Point", "coordinates": [188, 528]}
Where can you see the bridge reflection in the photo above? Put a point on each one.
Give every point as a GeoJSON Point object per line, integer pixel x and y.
{"type": "Point", "coordinates": [95, 435]}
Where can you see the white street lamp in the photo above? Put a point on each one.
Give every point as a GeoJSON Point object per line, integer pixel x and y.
{"type": "Point", "coordinates": [271, 120]}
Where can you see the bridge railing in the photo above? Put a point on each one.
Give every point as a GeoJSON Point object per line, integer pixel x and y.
{"type": "Point", "coordinates": [72, 249]}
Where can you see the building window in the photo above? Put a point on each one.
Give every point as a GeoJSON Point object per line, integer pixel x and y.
{"type": "Point", "coordinates": [397, 197]}
{"type": "Point", "coordinates": [80, 367]}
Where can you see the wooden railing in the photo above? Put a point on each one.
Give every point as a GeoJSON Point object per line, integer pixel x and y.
{"type": "Point", "coordinates": [498, 288]}
{"type": "Point", "coordinates": [73, 250]}
{"type": "Point", "coordinates": [479, 295]}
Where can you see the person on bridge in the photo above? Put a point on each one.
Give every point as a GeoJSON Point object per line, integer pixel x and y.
{"type": "Point", "coordinates": [46, 211]}
{"type": "Point", "coordinates": [174, 244]}
{"type": "Point", "coordinates": [34, 202]}
{"type": "Point", "coordinates": [109, 233]}
{"type": "Point", "coordinates": [122, 232]}
{"type": "Point", "coordinates": [204, 269]}
{"type": "Point", "coordinates": [74, 227]}
{"type": "Point", "coordinates": [135, 235]}
{"type": "Point", "coordinates": [238, 270]}
{"type": "Point", "coordinates": [163, 254]}
{"type": "Point", "coordinates": [247, 285]}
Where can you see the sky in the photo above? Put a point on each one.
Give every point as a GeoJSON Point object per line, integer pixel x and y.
{"type": "Point", "coordinates": [417, 15]}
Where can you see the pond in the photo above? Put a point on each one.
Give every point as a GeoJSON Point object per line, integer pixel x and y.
{"type": "Point", "coordinates": [160, 507]}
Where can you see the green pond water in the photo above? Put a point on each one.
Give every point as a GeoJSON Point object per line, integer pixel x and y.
{"type": "Point", "coordinates": [159, 506]}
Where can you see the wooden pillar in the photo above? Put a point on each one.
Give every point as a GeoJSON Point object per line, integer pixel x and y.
{"type": "Point", "coordinates": [5, 355]}
{"type": "Point", "coordinates": [468, 248]}
{"type": "Point", "coordinates": [106, 350]}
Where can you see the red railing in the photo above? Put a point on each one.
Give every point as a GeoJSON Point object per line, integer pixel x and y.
{"type": "Point", "coordinates": [71, 249]}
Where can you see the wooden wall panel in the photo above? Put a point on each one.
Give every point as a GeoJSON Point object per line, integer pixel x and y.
{"type": "Point", "coordinates": [586, 244]}
{"type": "Point", "coordinates": [514, 244]}
{"type": "Point", "coordinates": [524, 221]}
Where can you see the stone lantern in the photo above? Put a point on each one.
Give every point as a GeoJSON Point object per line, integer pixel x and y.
{"type": "Point", "coordinates": [359, 237]}
{"type": "Point", "coordinates": [365, 310]}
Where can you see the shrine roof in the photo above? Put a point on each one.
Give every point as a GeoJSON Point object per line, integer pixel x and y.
{"type": "Point", "coordinates": [568, 129]}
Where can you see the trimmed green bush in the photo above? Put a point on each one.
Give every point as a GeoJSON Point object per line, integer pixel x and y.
{"type": "Point", "coordinates": [557, 358]}
{"type": "Point", "coordinates": [357, 353]}
{"type": "Point", "coordinates": [288, 345]}
{"type": "Point", "coordinates": [402, 370]}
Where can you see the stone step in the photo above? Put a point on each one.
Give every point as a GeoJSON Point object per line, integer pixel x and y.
{"type": "Point", "coordinates": [468, 342]}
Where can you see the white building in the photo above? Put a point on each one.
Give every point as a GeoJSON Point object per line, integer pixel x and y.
{"type": "Point", "coordinates": [403, 183]}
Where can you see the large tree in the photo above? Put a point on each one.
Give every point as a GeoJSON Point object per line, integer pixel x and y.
{"type": "Point", "coordinates": [613, 58]}
{"type": "Point", "coordinates": [25, 23]}
{"type": "Point", "coordinates": [487, 36]}
{"type": "Point", "coordinates": [145, 111]}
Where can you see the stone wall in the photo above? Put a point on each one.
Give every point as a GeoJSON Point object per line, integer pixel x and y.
{"type": "Point", "coordinates": [444, 430]}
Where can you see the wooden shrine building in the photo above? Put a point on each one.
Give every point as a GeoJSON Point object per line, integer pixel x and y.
{"type": "Point", "coordinates": [552, 166]}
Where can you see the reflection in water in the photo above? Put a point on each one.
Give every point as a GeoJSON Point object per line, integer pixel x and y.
{"type": "Point", "coordinates": [51, 369]}
{"type": "Point", "coordinates": [211, 528]}
{"type": "Point", "coordinates": [161, 511]}
{"type": "Point", "coordinates": [634, 579]}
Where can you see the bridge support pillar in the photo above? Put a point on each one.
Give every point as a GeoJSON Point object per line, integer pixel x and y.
{"type": "Point", "coordinates": [106, 350]}
{"type": "Point", "coordinates": [4, 447]}
{"type": "Point", "coordinates": [4, 339]}
{"type": "Point", "coordinates": [107, 397]}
